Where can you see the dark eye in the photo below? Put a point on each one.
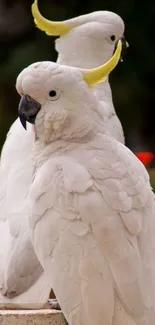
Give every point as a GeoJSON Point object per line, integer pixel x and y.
{"type": "Point", "coordinates": [113, 37]}
{"type": "Point", "coordinates": [52, 93]}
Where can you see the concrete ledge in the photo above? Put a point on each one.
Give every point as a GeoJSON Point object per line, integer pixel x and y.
{"type": "Point", "coordinates": [32, 317]}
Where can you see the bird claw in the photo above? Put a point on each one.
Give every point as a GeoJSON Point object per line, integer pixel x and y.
{"type": "Point", "coordinates": [54, 304]}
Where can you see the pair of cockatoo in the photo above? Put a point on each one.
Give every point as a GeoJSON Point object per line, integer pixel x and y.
{"type": "Point", "coordinates": [87, 199]}
{"type": "Point", "coordinates": [86, 41]}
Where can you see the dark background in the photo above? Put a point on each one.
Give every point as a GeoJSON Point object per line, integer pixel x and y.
{"type": "Point", "coordinates": [132, 82]}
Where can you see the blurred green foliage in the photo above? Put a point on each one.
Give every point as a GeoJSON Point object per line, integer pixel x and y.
{"type": "Point", "coordinates": [22, 44]}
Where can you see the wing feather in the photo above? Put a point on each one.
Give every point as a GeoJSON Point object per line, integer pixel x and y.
{"type": "Point", "coordinates": [86, 213]}
{"type": "Point", "coordinates": [20, 267]}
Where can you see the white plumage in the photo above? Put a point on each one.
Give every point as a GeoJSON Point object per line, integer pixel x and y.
{"type": "Point", "coordinates": [92, 209]}
{"type": "Point", "coordinates": [20, 271]}
{"type": "Point", "coordinates": [16, 163]}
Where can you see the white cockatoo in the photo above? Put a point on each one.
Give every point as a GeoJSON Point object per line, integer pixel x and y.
{"type": "Point", "coordinates": [20, 268]}
{"type": "Point", "coordinates": [92, 209]}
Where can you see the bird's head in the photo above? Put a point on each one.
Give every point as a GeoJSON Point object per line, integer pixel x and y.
{"type": "Point", "coordinates": [59, 100]}
{"type": "Point", "coordinates": [85, 41]}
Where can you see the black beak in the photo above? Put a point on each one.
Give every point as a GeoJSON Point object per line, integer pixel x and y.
{"type": "Point", "coordinates": [27, 110]}
{"type": "Point", "coordinates": [125, 45]}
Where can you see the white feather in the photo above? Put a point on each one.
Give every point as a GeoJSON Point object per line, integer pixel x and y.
{"type": "Point", "coordinates": [16, 164]}
{"type": "Point", "coordinates": [88, 246]}
{"type": "Point", "coordinates": [92, 209]}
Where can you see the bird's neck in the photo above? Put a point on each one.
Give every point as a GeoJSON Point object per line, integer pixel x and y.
{"type": "Point", "coordinates": [42, 152]}
{"type": "Point", "coordinates": [103, 91]}
{"type": "Point", "coordinates": [89, 60]}
{"type": "Point", "coordinates": [63, 146]}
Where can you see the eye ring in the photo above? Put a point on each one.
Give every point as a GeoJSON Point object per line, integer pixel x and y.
{"type": "Point", "coordinates": [113, 38]}
{"type": "Point", "coordinates": [53, 94]}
